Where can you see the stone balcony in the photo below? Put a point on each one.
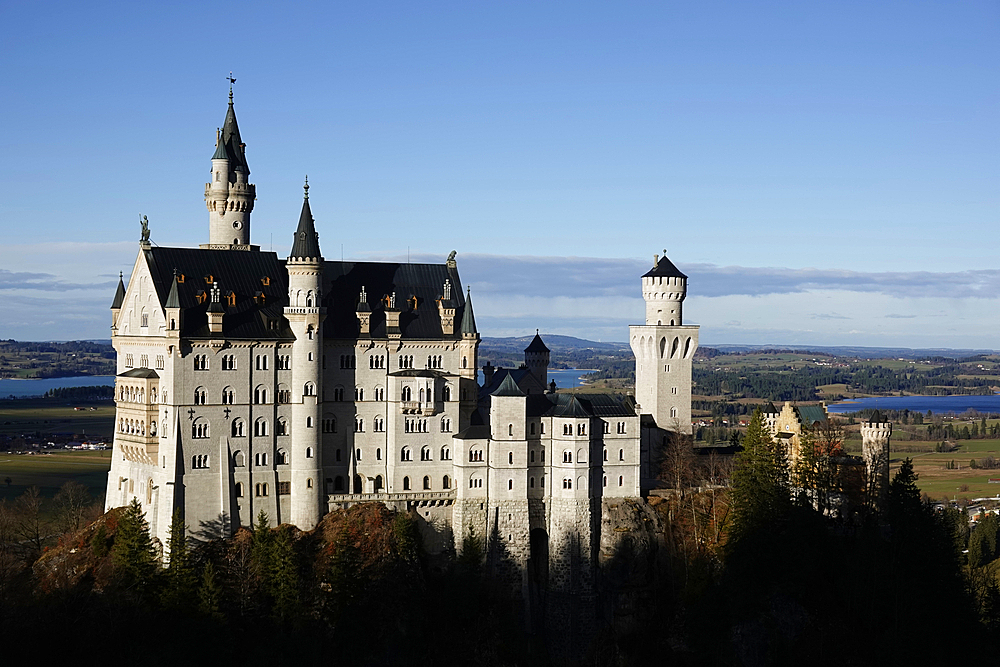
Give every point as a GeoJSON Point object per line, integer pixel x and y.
{"type": "Point", "coordinates": [420, 408]}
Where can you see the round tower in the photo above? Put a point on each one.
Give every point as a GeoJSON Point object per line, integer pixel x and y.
{"type": "Point", "coordinates": [664, 289]}
{"type": "Point", "coordinates": [229, 195]}
{"type": "Point", "coordinates": [305, 318]}
{"type": "Point", "coordinates": [875, 434]}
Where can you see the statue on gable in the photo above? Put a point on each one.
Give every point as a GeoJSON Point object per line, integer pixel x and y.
{"type": "Point", "coordinates": [144, 221]}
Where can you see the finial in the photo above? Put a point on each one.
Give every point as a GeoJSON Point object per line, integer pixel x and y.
{"type": "Point", "coordinates": [121, 274]}
{"type": "Point", "coordinates": [536, 332]}
{"type": "Point", "coordinates": [231, 82]}
{"type": "Point", "coordinates": [306, 187]}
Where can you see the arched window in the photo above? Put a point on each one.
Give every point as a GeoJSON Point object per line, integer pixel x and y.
{"type": "Point", "coordinates": [260, 427]}
{"type": "Point", "coordinates": [605, 480]}
{"type": "Point", "coordinates": [309, 422]}
{"type": "Point", "coordinates": [239, 489]}
{"type": "Point", "coordinates": [260, 394]}
{"type": "Point", "coordinates": [532, 428]}
{"type": "Point", "coordinates": [605, 453]}
{"type": "Point", "coordinates": [621, 454]}
{"type": "Point", "coordinates": [200, 429]}
{"type": "Point", "coordinates": [567, 456]}
{"type": "Point", "coordinates": [199, 396]}
{"type": "Point", "coordinates": [510, 429]}
{"type": "Point", "coordinates": [531, 482]}
{"type": "Point", "coordinates": [309, 452]}
{"type": "Point", "coordinates": [406, 394]}
{"type": "Point", "coordinates": [378, 483]}
{"type": "Point", "coordinates": [238, 459]}
{"type": "Point", "coordinates": [227, 396]}
{"type": "Point", "coordinates": [510, 485]}
{"type": "Point", "coordinates": [281, 426]}
{"type": "Point", "coordinates": [281, 458]}
{"type": "Point", "coordinates": [427, 483]}
{"type": "Point", "coordinates": [510, 458]}
{"type": "Point", "coordinates": [237, 428]}
{"type": "Point", "coordinates": [425, 453]}
{"type": "Point", "coordinates": [406, 484]}
{"type": "Point", "coordinates": [445, 453]}
{"type": "Point", "coordinates": [357, 484]}
{"type": "Point", "coordinates": [446, 393]}
{"type": "Point", "coordinates": [405, 454]}
{"type": "Point", "coordinates": [567, 483]}
{"type": "Point", "coordinates": [446, 482]}
{"type": "Point", "coordinates": [329, 424]}
{"type": "Point", "coordinates": [309, 389]}
{"type": "Point", "coordinates": [621, 480]}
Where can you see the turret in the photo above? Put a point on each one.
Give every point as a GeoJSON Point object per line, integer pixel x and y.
{"type": "Point", "coordinates": [173, 309]}
{"type": "Point", "coordinates": [305, 317]}
{"type": "Point", "coordinates": [536, 358]}
{"type": "Point", "coordinates": [116, 305]}
{"type": "Point", "coordinates": [229, 195]}
{"type": "Point", "coordinates": [664, 288]}
{"type": "Point", "coordinates": [875, 434]}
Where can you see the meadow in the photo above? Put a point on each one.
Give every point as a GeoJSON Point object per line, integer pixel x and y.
{"type": "Point", "coordinates": [47, 417]}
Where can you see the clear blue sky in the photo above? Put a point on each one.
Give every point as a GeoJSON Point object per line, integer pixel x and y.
{"type": "Point", "coordinates": [826, 173]}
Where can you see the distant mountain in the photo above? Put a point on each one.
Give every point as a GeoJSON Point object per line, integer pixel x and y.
{"type": "Point", "coordinates": [554, 342]}
{"type": "Point", "coordinates": [859, 351]}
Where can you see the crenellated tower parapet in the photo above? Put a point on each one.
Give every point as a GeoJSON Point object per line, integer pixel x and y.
{"type": "Point", "coordinates": [876, 432]}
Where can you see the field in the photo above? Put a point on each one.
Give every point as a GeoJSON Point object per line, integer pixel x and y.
{"type": "Point", "coordinates": [50, 471]}
{"type": "Point", "coordinates": [939, 482]}
{"type": "Point", "coordinates": [46, 417]}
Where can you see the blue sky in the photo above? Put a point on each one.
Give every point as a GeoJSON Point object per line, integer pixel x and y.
{"type": "Point", "coordinates": [825, 173]}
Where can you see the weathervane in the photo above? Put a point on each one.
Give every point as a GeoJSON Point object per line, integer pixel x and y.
{"type": "Point", "coordinates": [231, 82]}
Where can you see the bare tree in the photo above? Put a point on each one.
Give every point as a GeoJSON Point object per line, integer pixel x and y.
{"type": "Point", "coordinates": [72, 502]}
{"type": "Point", "coordinates": [28, 526]}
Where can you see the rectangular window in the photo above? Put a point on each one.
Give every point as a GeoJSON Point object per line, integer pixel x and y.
{"type": "Point", "coordinates": [284, 488]}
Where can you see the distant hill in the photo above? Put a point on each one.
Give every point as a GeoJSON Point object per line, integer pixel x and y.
{"type": "Point", "coordinates": [553, 342]}
{"type": "Point", "coordinates": [860, 351]}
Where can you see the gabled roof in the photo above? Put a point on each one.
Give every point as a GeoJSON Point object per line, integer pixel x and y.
{"type": "Point", "coordinates": [508, 388]}
{"type": "Point", "coordinates": [536, 344]}
{"type": "Point", "coordinates": [119, 293]}
{"type": "Point", "coordinates": [664, 269]}
{"type": "Point", "coordinates": [810, 414]}
{"type": "Point", "coordinates": [147, 373]}
{"type": "Point", "coordinates": [306, 243]}
{"type": "Point", "coordinates": [572, 408]}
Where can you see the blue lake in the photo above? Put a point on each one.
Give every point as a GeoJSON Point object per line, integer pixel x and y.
{"type": "Point", "coordinates": [565, 378]}
{"type": "Point", "coordinates": [936, 404]}
{"type": "Point", "coordinates": [30, 388]}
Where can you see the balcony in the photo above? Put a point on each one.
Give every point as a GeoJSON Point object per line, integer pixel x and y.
{"type": "Point", "coordinates": [420, 408]}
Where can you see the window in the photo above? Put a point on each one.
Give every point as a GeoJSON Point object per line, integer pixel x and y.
{"type": "Point", "coordinates": [238, 459]}
{"type": "Point", "coordinates": [338, 393]}
{"type": "Point", "coordinates": [145, 320]}
{"type": "Point", "coordinates": [359, 393]}
{"type": "Point", "coordinates": [284, 488]}
{"type": "Point", "coordinates": [673, 390]}
{"type": "Point", "coordinates": [201, 362]}
{"type": "Point", "coordinates": [581, 429]}
{"type": "Point", "coordinates": [621, 480]}
{"type": "Point", "coordinates": [239, 489]}
{"type": "Point", "coordinates": [427, 483]}
{"type": "Point", "coordinates": [567, 456]}
{"type": "Point", "coordinates": [281, 426]}
{"type": "Point", "coordinates": [605, 453]}
{"type": "Point", "coordinates": [262, 366]}
{"type": "Point", "coordinates": [128, 361]}
{"type": "Point", "coordinates": [199, 396]}
{"type": "Point", "coordinates": [199, 461]}
{"type": "Point", "coordinates": [227, 396]}
{"type": "Point", "coordinates": [260, 395]}
{"type": "Point", "coordinates": [337, 455]}
{"type": "Point", "coordinates": [425, 453]}
{"type": "Point", "coordinates": [238, 428]}
{"type": "Point", "coordinates": [281, 458]}
{"type": "Point", "coordinates": [475, 483]}
{"type": "Point", "coordinates": [445, 453]}
{"type": "Point", "coordinates": [199, 429]}
{"type": "Point", "coordinates": [284, 362]}
{"type": "Point", "coordinates": [284, 396]}
{"type": "Point", "coordinates": [446, 393]}
{"type": "Point", "coordinates": [673, 412]}
{"type": "Point", "coordinates": [309, 389]}
{"type": "Point", "coordinates": [338, 483]}
{"type": "Point", "coordinates": [446, 482]}
{"type": "Point", "coordinates": [510, 458]}
{"type": "Point", "coordinates": [159, 362]}
{"type": "Point", "coordinates": [605, 480]}
{"type": "Point", "coordinates": [405, 394]}
{"type": "Point", "coordinates": [475, 455]}
{"type": "Point", "coordinates": [406, 484]}
{"type": "Point", "coordinates": [309, 452]}
{"type": "Point", "coordinates": [260, 459]}
{"type": "Point", "coordinates": [510, 429]}
{"type": "Point", "coordinates": [260, 490]}
{"type": "Point", "coordinates": [309, 422]}
{"type": "Point", "coordinates": [348, 361]}
{"type": "Point", "coordinates": [329, 424]}
{"type": "Point", "coordinates": [378, 483]}
{"type": "Point", "coordinates": [567, 483]}
{"type": "Point", "coordinates": [379, 394]}
{"type": "Point", "coordinates": [532, 428]}
{"type": "Point", "coordinates": [260, 427]}
{"type": "Point", "coordinates": [532, 455]}
{"type": "Point", "coordinates": [378, 453]}
{"type": "Point", "coordinates": [621, 454]}
{"type": "Point", "coordinates": [143, 361]}
{"type": "Point", "coordinates": [357, 454]}
{"type": "Point", "coordinates": [229, 362]}
{"type": "Point", "coordinates": [378, 424]}
{"type": "Point", "coordinates": [543, 454]}
{"type": "Point", "coordinates": [531, 482]}
{"type": "Point", "coordinates": [607, 427]}
{"type": "Point", "coordinates": [359, 425]}
{"type": "Point", "coordinates": [405, 454]}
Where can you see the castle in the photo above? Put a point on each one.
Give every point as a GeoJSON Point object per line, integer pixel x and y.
{"type": "Point", "coordinates": [251, 383]}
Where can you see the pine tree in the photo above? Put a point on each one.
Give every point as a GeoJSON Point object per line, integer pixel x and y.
{"type": "Point", "coordinates": [134, 556]}
{"type": "Point", "coordinates": [759, 487]}
{"type": "Point", "coordinates": [284, 577]}
{"type": "Point", "coordinates": [210, 593]}
{"type": "Point", "coordinates": [181, 580]}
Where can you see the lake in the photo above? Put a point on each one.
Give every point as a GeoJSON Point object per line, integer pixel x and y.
{"type": "Point", "coordinates": [31, 388]}
{"type": "Point", "coordinates": [565, 377]}
{"type": "Point", "coordinates": [936, 404]}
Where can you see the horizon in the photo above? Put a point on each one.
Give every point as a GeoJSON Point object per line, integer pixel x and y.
{"type": "Point", "coordinates": [824, 175]}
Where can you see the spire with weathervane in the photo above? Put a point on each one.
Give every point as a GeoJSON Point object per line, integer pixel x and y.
{"type": "Point", "coordinates": [230, 195]}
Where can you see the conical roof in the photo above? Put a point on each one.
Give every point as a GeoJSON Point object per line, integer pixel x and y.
{"type": "Point", "coordinates": [119, 293]}
{"type": "Point", "coordinates": [468, 318]}
{"type": "Point", "coordinates": [769, 409]}
{"type": "Point", "coordinates": [306, 243]}
{"type": "Point", "coordinates": [664, 269]}
{"type": "Point", "coordinates": [231, 143]}
{"type": "Point", "coordinates": [508, 388]}
{"type": "Point", "coordinates": [876, 417]}
{"type": "Point", "coordinates": [536, 344]}
{"type": "Point", "coordinates": [173, 300]}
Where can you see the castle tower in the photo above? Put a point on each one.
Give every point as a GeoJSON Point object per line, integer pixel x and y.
{"type": "Point", "coordinates": [875, 434]}
{"type": "Point", "coordinates": [305, 317]}
{"type": "Point", "coordinates": [229, 195]}
{"type": "Point", "coordinates": [469, 349]}
{"type": "Point", "coordinates": [664, 347]}
{"type": "Point", "coordinates": [536, 358]}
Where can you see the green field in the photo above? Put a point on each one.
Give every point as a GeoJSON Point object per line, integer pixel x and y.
{"type": "Point", "coordinates": [938, 482]}
{"type": "Point", "coordinates": [48, 416]}
{"type": "Point", "coordinates": [50, 471]}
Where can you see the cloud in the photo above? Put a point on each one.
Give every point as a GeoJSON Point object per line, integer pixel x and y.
{"type": "Point", "coordinates": [828, 316]}
{"type": "Point", "coordinates": [897, 316]}
{"type": "Point", "coordinates": [20, 280]}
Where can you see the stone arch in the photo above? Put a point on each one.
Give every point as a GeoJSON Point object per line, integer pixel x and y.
{"type": "Point", "coordinates": [687, 348]}
{"type": "Point", "coordinates": [663, 346]}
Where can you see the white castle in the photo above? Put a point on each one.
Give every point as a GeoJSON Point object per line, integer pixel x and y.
{"type": "Point", "coordinates": [247, 382]}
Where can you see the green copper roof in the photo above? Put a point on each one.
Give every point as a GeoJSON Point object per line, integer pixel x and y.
{"type": "Point", "coordinates": [119, 293]}
{"type": "Point", "coordinates": [810, 414]}
{"type": "Point", "coordinates": [508, 388]}
{"type": "Point", "coordinates": [572, 408]}
{"type": "Point", "coordinates": [468, 318]}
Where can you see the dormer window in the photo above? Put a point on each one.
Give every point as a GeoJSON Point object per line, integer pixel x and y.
{"type": "Point", "coordinates": [180, 278]}
{"type": "Point", "coordinates": [201, 296]}
{"type": "Point", "coordinates": [412, 302]}
{"type": "Point", "coordinates": [209, 279]}
{"type": "Point", "coordinates": [259, 298]}
{"type": "Point", "coordinates": [265, 281]}
{"type": "Point", "coordinates": [231, 299]}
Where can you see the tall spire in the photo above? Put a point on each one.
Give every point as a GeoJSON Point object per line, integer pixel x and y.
{"type": "Point", "coordinates": [468, 318]}
{"type": "Point", "coordinates": [119, 293]}
{"type": "Point", "coordinates": [229, 195]}
{"type": "Point", "coordinates": [306, 243]}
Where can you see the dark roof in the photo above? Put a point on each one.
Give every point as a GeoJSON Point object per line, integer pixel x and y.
{"type": "Point", "coordinates": [580, 405]}
{"type": "Point", "coordinates": [536, 345]}
{"type": "Point", "coordinates": [572, 408]}
{"type": "Point", "coordinates": [665, 269]}
{"type": "Point", "coordinates": [306, 243]}
{"type": "Point", "coordinates": [139, 373]}
{"type": "Point", "coordinates": [420, 373]}
{"type": "Point", "coordinates": [876, 418]}
{"type": "Point", "coordinates": [342, 283]}
{"type": "Point", "coordinates": [508, 388]}
{"type": "Point", "coordinates": [468, 318]}
{"type": "Point", "coordinates": [231, 142]}
{"type": "Point", "coordinates": [769, 409]}
{"type": "Point", "coordinates": [173, 300]}
{"type": "Point", "coordinates": [523, 377]}
{"type": "Point", "coordinates": [257, 305]}
{"type": "Point", "coordinates": [119, 293]}
{"type": "Point", "coordinates": [810, 414]}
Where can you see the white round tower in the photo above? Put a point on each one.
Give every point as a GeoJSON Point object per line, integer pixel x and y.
{"type": "Point", "coordinates": [664, 289]}
{"type": "Point", "coordinates": [875, 434]}
{"type": "Point", "coordinates": [229, 195]}
{"type": "Point", "coordinates": [305, 317]}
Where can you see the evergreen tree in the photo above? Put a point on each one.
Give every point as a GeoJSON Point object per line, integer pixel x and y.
{"type": "Point", "coordinates": [134, 556]}
{"type": "Point", "coordinates": [759, 493]}
{"type": "Point", "coordinates": [284, 577]}
{"type": "Point", "coordinates": [210, 593]}
{"type": "Point", "coordinates": [181, 580]}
